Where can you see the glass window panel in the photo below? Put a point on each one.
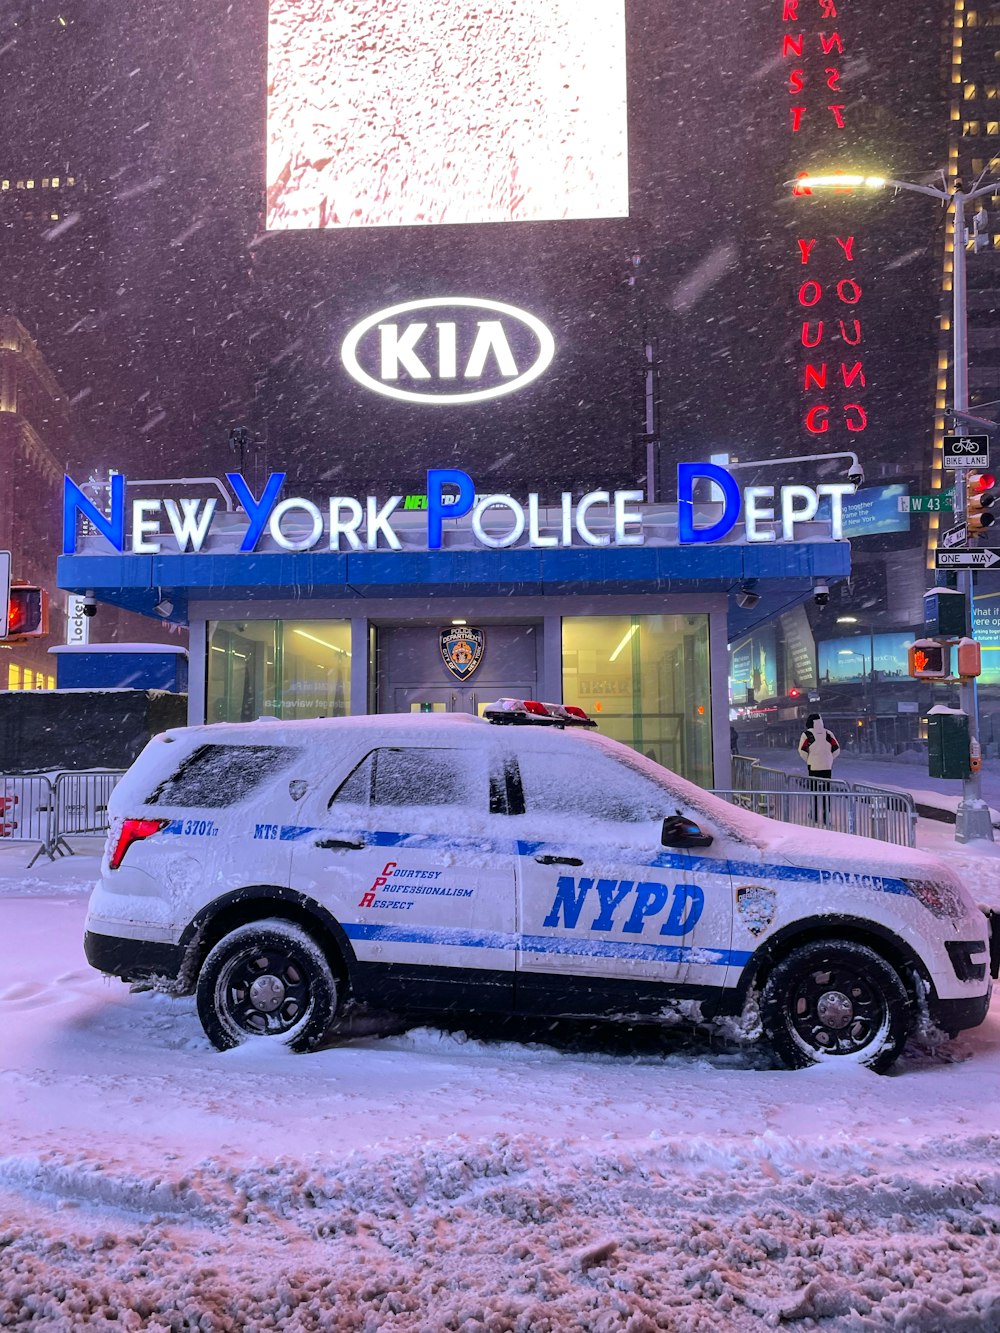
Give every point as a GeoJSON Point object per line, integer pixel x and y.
{"type": "Point", "coordinates": [356, 789]}
{"type": "Point", "coordinates": [219, 775]}
{"type": "Point", "coordinates": [646, 680]}
{"type": "Point", "coordinates": [601, 789]}
{"type": "Point", "coordinates": [421, 776]}
{"type": "Point", "coordinates": [283, 668]}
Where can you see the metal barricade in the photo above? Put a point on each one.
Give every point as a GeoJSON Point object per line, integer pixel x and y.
{"type": "Point", "coordinates": [891, 815]}
{"type": "Point", "coordinates": [81, 803]}
{"type": "Point", "coordinates": [888, 816]}
{"type": "Point", "coordinates": [873, 813]}
{"type": "Point", "coordinates": [743, 766]}
{"type": "Point", "coordinates": [27, 812]}
{"type": "Point", "coordinates": [38, 809]}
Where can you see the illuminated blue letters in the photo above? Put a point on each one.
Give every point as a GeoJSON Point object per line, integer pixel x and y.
{"type": "Point", "coordinates": [686, 474]}
{"type": "Point", "coordinates": [258, 511]}
{"type": "Point", "coordinates": [75, 502]}
{"type": "Point", "coordinates": [437, 509]}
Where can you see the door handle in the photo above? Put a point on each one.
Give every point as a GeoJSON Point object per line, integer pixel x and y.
{"type": "Point", "coordinates": [558, 860]}
{"type": "Point", "coordinates": [339, 845]}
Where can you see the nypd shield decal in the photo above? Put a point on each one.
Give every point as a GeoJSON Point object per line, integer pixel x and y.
{"type": "Point", "coordinates": [462, 649]}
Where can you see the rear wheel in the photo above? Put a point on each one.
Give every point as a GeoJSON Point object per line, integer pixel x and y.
{"type": "Point", "coordinates": [267, 979]}
{"type": "Point", "coordinates": [836, 1000]}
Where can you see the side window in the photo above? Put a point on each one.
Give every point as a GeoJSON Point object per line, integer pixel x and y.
{"type": "Point", "coordinates": [418, 776]}
{"type": "Point", "coordinates": [213, 776]}
{"type": "Point", "coordinates": [588, 785]}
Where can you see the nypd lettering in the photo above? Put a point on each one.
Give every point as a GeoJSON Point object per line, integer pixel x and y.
{"type": "Point", "coordinates": [623, 904]}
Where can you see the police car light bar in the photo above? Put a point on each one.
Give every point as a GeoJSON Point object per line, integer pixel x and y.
{"type": "Point", "coordinates": [531, 712]}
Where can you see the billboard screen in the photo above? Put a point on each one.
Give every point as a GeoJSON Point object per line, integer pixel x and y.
{"type": "Point", "coordinates": [842, 661]}
{"type": "Point", "coordinates": [417, 113]}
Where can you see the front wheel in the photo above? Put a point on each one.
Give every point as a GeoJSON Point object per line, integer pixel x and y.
{"type": "Point", "coordinates": [836, 999]}
{"type": "Point", "coordinates": [266, 979]}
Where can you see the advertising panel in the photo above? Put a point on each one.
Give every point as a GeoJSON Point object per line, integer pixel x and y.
{"type": "Point", "coordinates": [986, 628]}
{"type": "Point", "coordinates": [753, 668]}
{"type": "Point", "coordinates": [873, 511]}
{"type": "Point", "coordinates": [417, 113]}
{"type": "Point", "coordinates": [848, 660]}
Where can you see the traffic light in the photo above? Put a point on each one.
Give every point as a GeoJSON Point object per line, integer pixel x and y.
{"type": "Point", "coordinates": [27, 612]}
{"type": "Point", "coordinates": [980, 498]}
{"type": "Point", "coordinates": [929, 660]}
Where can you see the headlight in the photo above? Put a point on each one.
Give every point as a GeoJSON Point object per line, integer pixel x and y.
{"type": "Point", "coordinates": [942, 900]}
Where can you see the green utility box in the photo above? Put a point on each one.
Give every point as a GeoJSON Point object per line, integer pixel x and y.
{"type": "Point", "coordinates": [946, 614]}
{"type": "Point", "coordinates": [948, 745]}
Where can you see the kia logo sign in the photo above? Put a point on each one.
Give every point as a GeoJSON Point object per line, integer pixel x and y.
{"type": "Point", "coordinates": [448, 349]}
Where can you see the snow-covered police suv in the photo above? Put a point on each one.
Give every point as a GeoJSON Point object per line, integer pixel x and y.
{"type": "Point", "coordinates": [289, 872]}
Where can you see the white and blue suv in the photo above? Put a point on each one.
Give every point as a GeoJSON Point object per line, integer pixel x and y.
{"type": "Point", "coordinates": [288, 873]}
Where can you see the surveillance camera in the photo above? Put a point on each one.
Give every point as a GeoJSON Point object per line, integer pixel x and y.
{"type": "Point", "coordinates": [89, 604]}
{"type": "Point", "coordinates": [856, 476]}
{"type": "Point", "coordinates": [747, 599]}
{"type": "Point", "coordinates": [821, 593]}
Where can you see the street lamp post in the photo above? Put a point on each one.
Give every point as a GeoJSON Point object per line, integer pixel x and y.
{"type": "Point", "coordinates": [972, 818]}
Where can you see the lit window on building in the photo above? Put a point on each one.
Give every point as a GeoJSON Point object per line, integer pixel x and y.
{"type": "Point", "coordinates": [970, 128]}
{"type": "Point", "coordinates": [969, 92]}
{"type": "Point", "coordinates": [14, 677]}
{"type": "Point", "coordinates": [28, 679]}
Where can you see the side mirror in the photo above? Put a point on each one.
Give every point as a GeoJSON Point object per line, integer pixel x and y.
{"type": "Point", "coordinates": [679, 831]}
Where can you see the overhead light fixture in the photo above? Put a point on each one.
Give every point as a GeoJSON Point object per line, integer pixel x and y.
{"type": "Point", "coordinates": [459, 622]}
{"type": "Point", "coordinates": [322, 642]}
{"type": "Point", "coordinates": [164, 607]}
{"type": "Point", "coordinates": [746, 598]}
{"type": "Point", "coordinates": [628, 634]}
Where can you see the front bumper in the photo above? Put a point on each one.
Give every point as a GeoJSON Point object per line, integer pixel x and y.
{"type": "Point", "coordinates": [954, 1016]}
{"type": "Point", "coordinates": [133, 960]}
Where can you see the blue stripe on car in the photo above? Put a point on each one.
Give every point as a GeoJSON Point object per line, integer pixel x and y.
{"type": "Point", "coordinates": [665, 860]}
{"type": "Point", "coordinates": [548, 944]}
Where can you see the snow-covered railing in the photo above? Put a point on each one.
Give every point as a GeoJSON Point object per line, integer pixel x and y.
{"type": "Point", "coordinates": [45, 810]}
{"type": "Point", "coordinates": [847, 807]}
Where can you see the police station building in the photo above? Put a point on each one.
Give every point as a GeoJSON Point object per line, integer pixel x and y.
{"type": "Point", "coordinates": [304, 606]}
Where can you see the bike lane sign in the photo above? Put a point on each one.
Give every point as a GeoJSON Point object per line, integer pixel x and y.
{"type": "Point", "coordinates": [966, 451]}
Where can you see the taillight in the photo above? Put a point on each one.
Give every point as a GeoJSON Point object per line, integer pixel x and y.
{"type": "Point", "coordinates": [133, 830]}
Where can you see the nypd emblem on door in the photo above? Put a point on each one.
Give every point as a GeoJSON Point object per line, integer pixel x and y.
{"type": "Point", "coordinates": [462, 649]}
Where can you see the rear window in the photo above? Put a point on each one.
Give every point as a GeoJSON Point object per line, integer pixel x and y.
{"type": "Point", "coordinates": [219, 775]}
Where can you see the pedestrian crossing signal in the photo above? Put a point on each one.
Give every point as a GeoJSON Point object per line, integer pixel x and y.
{"type": "Point", "coordinates": [980, 497]}
{"type": "Point", "coordinates": [27, 612]}
{"type": "Point", "coordinates": [929, 660]}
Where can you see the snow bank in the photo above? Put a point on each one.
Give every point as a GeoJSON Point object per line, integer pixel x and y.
{"type": "Point", "coordinates": [540, 1179]}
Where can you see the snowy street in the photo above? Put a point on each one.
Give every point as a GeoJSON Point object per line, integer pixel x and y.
{"type": "Point", "coordinates": [430, 1180]}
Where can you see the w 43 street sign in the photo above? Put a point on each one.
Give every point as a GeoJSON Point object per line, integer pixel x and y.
{"type": "Point", "coordinates": [985, 558]}
{"type": "Point", "coordinates": [941, 503]}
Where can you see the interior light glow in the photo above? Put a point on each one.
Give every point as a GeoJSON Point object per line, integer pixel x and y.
{"type": "Point", "coordinates": [322, 642]}
{"type": "Point", "coordinates": [625, 639]}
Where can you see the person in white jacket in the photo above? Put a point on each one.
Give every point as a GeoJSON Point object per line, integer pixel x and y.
{"type": "Point", "coordinates": [818, 747]}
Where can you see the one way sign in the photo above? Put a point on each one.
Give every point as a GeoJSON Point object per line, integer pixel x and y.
{"type": "Point", "coordinates": [983, 559]}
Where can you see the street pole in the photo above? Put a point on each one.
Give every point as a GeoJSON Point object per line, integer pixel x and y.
{"type": "Point", "coordinates": [972, 819]}
{"type": "Point", "coordinates": [871, 678]}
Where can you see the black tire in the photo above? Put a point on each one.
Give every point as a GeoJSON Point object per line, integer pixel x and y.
{"type": "Point", "coordinates": [267, 979]}
{"type": "Point", "coordinates": [836, 999]}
